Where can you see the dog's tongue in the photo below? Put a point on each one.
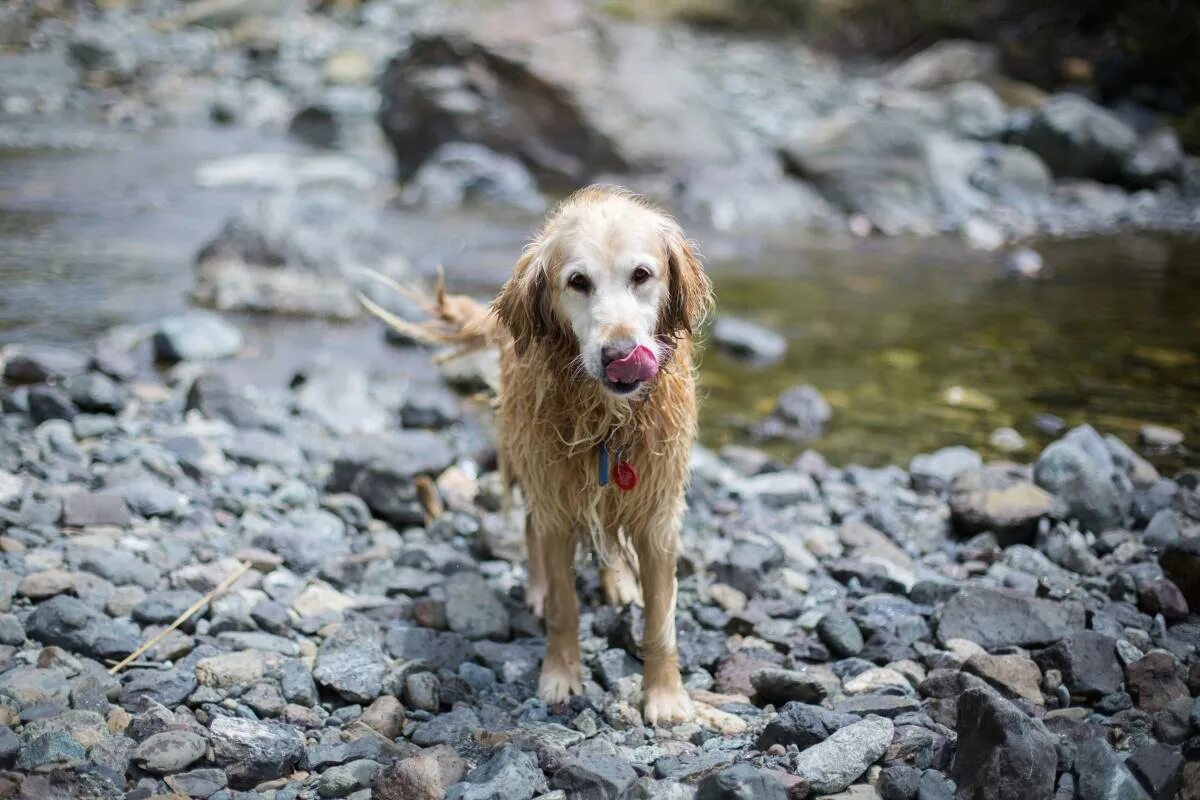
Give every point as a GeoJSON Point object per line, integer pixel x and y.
{"type": "Point", "coordinates": [640, 365]}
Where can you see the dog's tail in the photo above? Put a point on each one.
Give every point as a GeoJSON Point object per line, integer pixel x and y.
{"type": "Point", "coordinates": [455, 319]}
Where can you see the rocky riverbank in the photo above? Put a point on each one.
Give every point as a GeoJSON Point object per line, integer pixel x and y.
{"type": "Point", "coordinates": [953, 629]}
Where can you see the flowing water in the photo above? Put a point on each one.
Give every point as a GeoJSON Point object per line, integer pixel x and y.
{"type": "Point", "coordinates": [916, 344]}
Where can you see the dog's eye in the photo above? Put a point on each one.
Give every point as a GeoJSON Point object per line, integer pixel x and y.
{"type": "Point", "coordinates": [640, 276]}
{"type": "Point", "coordinates": [580, 283]}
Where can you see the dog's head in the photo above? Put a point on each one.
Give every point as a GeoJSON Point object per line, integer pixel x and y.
{"type": "Point", "coordinates": [612, 282]}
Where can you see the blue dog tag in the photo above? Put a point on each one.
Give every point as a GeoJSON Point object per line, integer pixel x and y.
{"type": "Point", "coordinates": [603, 453]}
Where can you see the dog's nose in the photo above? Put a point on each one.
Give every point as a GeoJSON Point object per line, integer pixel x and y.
{"type": "Point", "coordinates": [615, 351]}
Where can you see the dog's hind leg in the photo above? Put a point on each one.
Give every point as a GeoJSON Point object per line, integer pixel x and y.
{"type": "Point", "coordinates": [562, 667]}
{"type": "Point", "coordinates": [665, 700]}
{"type": "Point", "coordinates": [535, 588]}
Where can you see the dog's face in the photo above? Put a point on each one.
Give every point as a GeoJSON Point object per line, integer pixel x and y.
{"type": "Point", "coordinates": [611, 279]}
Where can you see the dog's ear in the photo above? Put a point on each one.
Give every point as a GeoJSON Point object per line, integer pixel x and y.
{"type": "Point", "coordinates": [523, 305]}
{"type": "Point", "coordinates": [689, 292]}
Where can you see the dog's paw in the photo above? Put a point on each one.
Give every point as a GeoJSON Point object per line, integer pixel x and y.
{"type": "Point", "coordinates": [535, 599]}
{"type": "Point", "coordinates": [666, 706]}
{"type": "Point", "coordinates": [558, 682]}
{"type": "Point", "coordinates": [620, 586]}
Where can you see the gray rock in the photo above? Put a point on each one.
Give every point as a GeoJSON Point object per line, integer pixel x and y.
{"type": "Point", "coordinates": [748, 341]}
{"type": "Point", "coordinates": [996, 500]}
{"type": "Point", "coordinates": [30, 686]}
{"type": "Point", "coordinates": [198, 783]}
{"type": "Point", "coordinates": [150, 498]}
{"type": "Point", "coordinates": [446, 728]}
{"type": "Point", "coordinates": [117, 566]}
{"type": "Point", "coordinates": [1079, 139]}
{"type": "Point", "coordinates": [96, 392]}
{"type": "Point", "coordinates": [216, 398]}
{"type": "Point", "coordinates": [56, 747]}
{"type": "Point", "coordinates": [840, 634]}
{"type": "Point", "coordinates": [741, 782]}
{"type": "Point", "coordinates": [168, 687]}
{"type": "Point", "coordinates": [161, 608]}
{"type": "Point", "coordinates": [973, 109]}
{"type": "Point", "coordinates": [994, 618]}
{"type": "Point", "coordinates": [442, 649]}
{"type": "Point", "coordinates": [1154, 681]}
{"type": "Point", "coordinates": [801, 413]}
{"type": "Point", "coordinates": [802, 725]}
{"type": "Point", "coordinates": [1158, 157]}
{"type": "Point", "coordinates": [460, 173]}
{"type": "Point", "coordinates": [753, 196]}
{"type": "Point", "coordinates": [293, 253]}
{"type": "Point", "coordinates": [835, 763]}
{"type": "Point", "coordinates": [71, 624]}
{"type": "Point", "coordinates": [1002, 754]}
{"type": "Point", "coordinates": [12, 632]}
{"type": "Point", "coordinates": [509, 775]}
{"type": "Point", "coordinates": [935, 786]}
{"type": "Point", "coordinates": [50, 402]}
{"type": "Point", "coordinates": [252, 752]}
{"type": "Point", "coordinates": [474, 610]}
{"type": "Point", "coordinates": [934, 472]}
{"type": "Point", "coordinates": [260, 447]}
{"type": "Point", "coordinates": [196, 336]}
{"type": "Point", "coordinates": [898, 782]}
{"type": "Point", "coordinates": [1087, 661]}
{"type": "Point", "coordinates": [351, 662]}
{"type": "Point", "coordinates": [1180, 561]}
{"type": "Point", "coordinates": [594, 778]}
{"type": "Point", "coordinates": [1159, 768]}
{"type": "Point", "coordinates": [1080, 470]}
{"type": "Point", "coordinates": [341, 780]}
{"type": "Point", "coordinates": [170, 751]}
{"type": "Point", "coordinates": [29, 363]}
{"type": "Point", "coordinates": [422, 690]}
{"type": "Point", "coordinates": [1100, 775]}
{"type": "Point", "coordinates": [9, 747]}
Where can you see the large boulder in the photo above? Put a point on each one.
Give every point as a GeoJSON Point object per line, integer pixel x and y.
{"type": "Point", "coordinates": [296, 254]}
{"type": "Point", "coordinates": [1079, 139]}
{"type": "Point", "coordinates": [538, 80]}
{"type": "Point", "coordinates": [994, 618]}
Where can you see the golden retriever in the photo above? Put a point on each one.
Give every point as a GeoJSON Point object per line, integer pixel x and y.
{"type": "Point", "coordinates": [597, 413]}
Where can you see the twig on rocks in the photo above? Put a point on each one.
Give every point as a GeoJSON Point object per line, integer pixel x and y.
{"type": "Point", "coordinates": [220, 588]}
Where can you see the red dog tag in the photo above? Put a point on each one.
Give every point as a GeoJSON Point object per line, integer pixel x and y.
{"type": "Point", "coordinates": [624, 476]}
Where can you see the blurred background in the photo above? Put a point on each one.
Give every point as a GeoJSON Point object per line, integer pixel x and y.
{"type": "Point", "coordinates": [930, 222]}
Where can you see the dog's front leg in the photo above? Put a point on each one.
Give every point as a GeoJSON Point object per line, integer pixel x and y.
{"type": "Point", "coordinates": [561, 669]}
{"type": "Point", "coordinates": [665, 700]}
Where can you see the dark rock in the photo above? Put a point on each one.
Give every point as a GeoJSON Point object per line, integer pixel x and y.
{"type": "Point", "coordinates": [117, 566]}
{"type": "Point", "coordinates": [1180, 561]}
{"type": "Point", "coordinates": [168, 687]}
{"type": "Point", "coordinates": [216, 398]}
{"type": "Point", "coordinates": [422, 690]}
{"type": "Point", "coordinates": [994, 618]}
{"type": "Point", "coordinates": [898, 782]}
{"type": "Point", "coordinates": [1087, 661]}
{"type": "Point", "coordinates": [96, 392]}
{"type": "Point", "coordinates": [161, 608]}
{"type": "Point", "coordinates": [446, 728]}
{"type": "Point", "coordinates": [935, 786]}
{"type": "Point", "coordinates": [1159, 768]}
{"type": "Point", "coordinates": [1100, 775]}
{"type": "Point", "coordinates": [802, 725]}
{"type": "Point", "coordinates": [1161, 596]}
{"type": "Point", "coordinates": [75, 626]}
{"type": "Point", "coordinates": [779, 686]}
{"type": "Point", "coordinates": [55, 747]}
{"type": "Point", "coordinates": [351, 662]}
{"type": "Point", "coordinates": [255, 447]}
{"type": "Point", "coordinates": [1157, 158]}
{"type": "Point", "coordinates": [748, 341]}
{"type": "Point", "coordinates": [252, 752]}
{"type": "Point", "coordinates": [1079, 139]}
{"type": "Point", "coordinates": [9, 746]}
{"type": "Point", "coordinates": [429, 407]}
{"type": "Point", "coordinates": [840, 634]}
{"type": "Point", "coordinates": [1002, 754]}
{"type": "Point", "coordinates": [882, 705]}
{"type": "Point", "coordinates": [499, 84]}
{"type": "Point", "coordinates": [323, 756]}
{"type": "Point", "coordinates": [198, 783]}
{"type": "Point", "coordinates": [100, 508]}
{"type": "Point", "coordinates": [801, 413]}
{"type": "Point", "coordinates": [734, 671]}
{"type": "Point", "coordinates": [1154, 681]}
{"type": "Point", "coordinates": [342, 780]}
{"type": "Point", "coordinates": [474, 610]}
{"type": "Point", "coordinates": [38, 363]}
{"type": "Point", "coordinates": [508, 775]}
{"type": "Point", "coordinates": [994, 499]}
{"type": "Point", "coordinates": [741, 782]}
{"type": "Point", "coordinates": [595, 778]}
{"type": "Point", "coordinates": [441, 649]}
{"type": "Point", "coordinates": [50, 402]}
